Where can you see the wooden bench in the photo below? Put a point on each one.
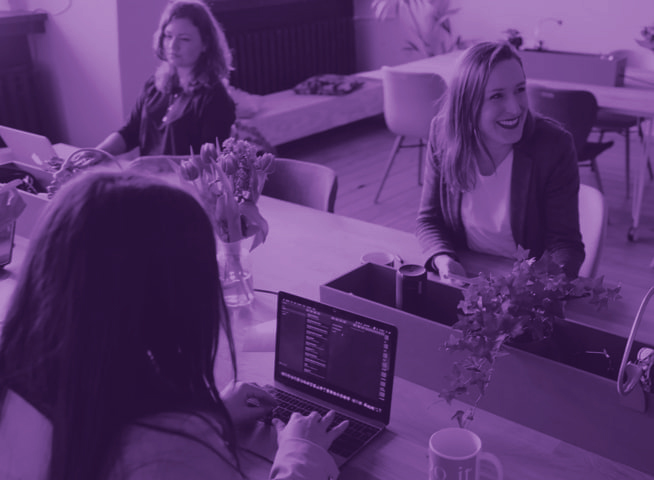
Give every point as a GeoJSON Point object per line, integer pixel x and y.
{"type": "Point", "coordinates": [286, 116]}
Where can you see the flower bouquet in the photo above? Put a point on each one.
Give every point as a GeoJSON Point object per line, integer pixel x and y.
{"type": "Point", "coordinates": [228, 182]}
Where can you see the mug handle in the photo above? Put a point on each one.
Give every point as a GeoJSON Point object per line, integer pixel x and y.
{"type": "Point", "coordinates": [493, 460]}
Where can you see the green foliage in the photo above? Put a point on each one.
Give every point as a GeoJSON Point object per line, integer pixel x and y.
{"type": "Point", "coordinates": [522, 304]}
{"type": "Point", "coordinates": [426, 22]}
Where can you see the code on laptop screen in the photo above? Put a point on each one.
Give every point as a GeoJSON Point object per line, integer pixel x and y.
{"type": "Point", "coordinates": [337, 356]}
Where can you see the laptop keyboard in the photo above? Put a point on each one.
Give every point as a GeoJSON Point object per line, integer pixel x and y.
{"type": "Point", "coordinates": [356, 435]}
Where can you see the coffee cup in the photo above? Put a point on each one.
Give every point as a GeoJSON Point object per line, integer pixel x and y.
{"type": "Point", "coordinates": [379, 258]}
{"type": "Point", "coordinates": [455, 454]}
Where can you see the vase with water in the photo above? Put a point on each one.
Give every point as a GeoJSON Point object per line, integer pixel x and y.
{"type": "Point", "coordinates": [235, 268]}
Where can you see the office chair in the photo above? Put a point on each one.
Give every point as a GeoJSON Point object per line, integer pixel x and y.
{"type": "Point", "coordinates": [593, 220]}
{"type": "Point", "coordinates": [410, 103]}
{"type": "Point", "coordinates": [621, 123]}
{"type": "Point", "coordinates": [576, 111]}
{"type": "Point", "coordinates": [305, 183]}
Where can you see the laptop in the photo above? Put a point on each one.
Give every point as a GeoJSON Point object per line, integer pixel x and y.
{"type": "Point", "coordinates": [32, 149]}
{"type": "Point", "coordinates": [331, 359]}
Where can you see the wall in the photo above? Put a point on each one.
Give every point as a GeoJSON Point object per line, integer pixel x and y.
{"type": "Point", "coordinates": [93, 59]}
{"type": "Point", "coordinates": [590, 26]}
{"type": "Point", "coordinates": [78, 57]}
{"type": "Point", "coordinates": [137, 22]}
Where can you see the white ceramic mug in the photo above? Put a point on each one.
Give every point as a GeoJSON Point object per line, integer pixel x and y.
{"type": "Point", "coordinates": [379, 258]}
{"type": "Point", "coordinates": [455, 454]}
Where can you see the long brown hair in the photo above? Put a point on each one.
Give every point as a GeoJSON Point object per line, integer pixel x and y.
{"type": "Point", "coordinates": [214, 64]}
{"type": "Point", "coordinates": [115, 317]}
{"type": "Point", "coordinates": [455, 134]}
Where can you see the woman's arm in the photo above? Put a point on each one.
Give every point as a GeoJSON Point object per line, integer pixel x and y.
{"type": "Point", "coordinates": [434, 234]}
{"type": "Point", "coordinates": [217, 116]}
{"type": "Point", "coordinates": [562, 235]}
{"type": "Point", "coordinates": [114, 144]}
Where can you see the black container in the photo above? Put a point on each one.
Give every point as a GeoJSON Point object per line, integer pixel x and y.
{"type": "Point", "coordinates": [410, 286]}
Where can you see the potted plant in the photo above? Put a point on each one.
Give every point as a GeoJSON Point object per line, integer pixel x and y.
{"type": "Point", "coordinates": [522, 306]}
{"type": "Point", "coordinates": [514, 37]}
{"type": "Point", "coordinates": [647, 41]}
{"type": "Point", "coordinates": [426, 23]}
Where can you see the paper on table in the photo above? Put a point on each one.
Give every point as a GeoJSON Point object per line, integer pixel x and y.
{"type": "Point", "coordinates": [260, 337]}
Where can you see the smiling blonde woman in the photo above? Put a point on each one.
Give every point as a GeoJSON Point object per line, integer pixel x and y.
{"type": "Point", "coordinates": [497, 175]}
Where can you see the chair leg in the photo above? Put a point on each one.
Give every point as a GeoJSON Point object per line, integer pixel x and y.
{"type": "Point", "coordinates": [641, 136]}
{"type": "Point", "coordinates": [597, 175]}
{"type": "Point", "coordinates": [627, 166]}
{"type": "Point", "coordinates": [420, 159]}
{"type": "Point", "coordinates": [389, 164]}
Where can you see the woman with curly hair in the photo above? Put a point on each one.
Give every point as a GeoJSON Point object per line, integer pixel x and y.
{"type": "Point", "coordinates": [185, 103]}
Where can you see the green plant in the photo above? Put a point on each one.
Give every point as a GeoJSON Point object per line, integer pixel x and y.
{"type": "Point", "coordinates": [427, 23]}
{"type": "Point", "coordinates": [647, 33]}
{"type": "Point", "coordinates": [522, 305]}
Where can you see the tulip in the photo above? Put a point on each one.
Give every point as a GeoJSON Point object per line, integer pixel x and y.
{"type": "Point", "coordinates": [188, 170]}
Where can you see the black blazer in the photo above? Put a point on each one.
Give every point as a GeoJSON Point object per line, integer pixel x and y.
{"type": "Point", "coordinates": [544, 199]}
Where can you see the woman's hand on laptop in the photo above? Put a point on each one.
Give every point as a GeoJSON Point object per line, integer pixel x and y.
{"type": "Point", "coordinates": [312, 427]}
{"type": "Point", "coordinates": [246, 403]}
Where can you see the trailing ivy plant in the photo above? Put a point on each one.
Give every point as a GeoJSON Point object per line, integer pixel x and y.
{"type": "Point", "coordinates": [497, 309]}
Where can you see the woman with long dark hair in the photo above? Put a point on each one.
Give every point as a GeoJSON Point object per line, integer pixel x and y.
{"type": "Point", "coordinates": [108, 348]}
{"type": "Point", "coordinates": [185, 103]}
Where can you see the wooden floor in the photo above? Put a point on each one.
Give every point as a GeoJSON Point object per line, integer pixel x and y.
{"type": "Point", "coordinates": [358, 153]}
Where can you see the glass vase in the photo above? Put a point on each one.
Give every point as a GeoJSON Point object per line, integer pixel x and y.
{"type": "Point", "coordinates": [235, 268]}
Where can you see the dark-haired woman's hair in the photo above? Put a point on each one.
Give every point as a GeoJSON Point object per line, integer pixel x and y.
{"type": "Point", "coordinates": [214, 64]}
{"type": "Point", "coordinates": [456, 138]}
{"type": "Point", "coordinates": [116, 316]}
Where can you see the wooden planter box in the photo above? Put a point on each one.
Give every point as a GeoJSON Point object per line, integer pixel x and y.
{"type": "Point", "coordinates": [561, 390]}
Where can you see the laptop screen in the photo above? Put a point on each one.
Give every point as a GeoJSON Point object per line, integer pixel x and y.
{"type": "Point", "coordinates": [336, 356]}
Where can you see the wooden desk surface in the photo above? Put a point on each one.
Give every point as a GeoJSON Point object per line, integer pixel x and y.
{"type": "Point", "coordinates": [417, 412]}
{"type": "Point", "coordinates": [306, 248]}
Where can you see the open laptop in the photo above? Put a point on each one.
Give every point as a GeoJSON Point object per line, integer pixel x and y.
{"type": "Point", "coordinates": [33, 149]}
{"type": "Point", "coordinates": [327, 358]}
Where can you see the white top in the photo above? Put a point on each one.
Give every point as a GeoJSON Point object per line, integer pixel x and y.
{"type": "Point", "coordinates": [146, 453]}
{"type": "Point", "coordinates": [485, 212]}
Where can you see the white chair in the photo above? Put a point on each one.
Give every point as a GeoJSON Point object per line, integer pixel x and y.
{"type": "Point", "coordinates": [592, 222]}
{"type": "Point", "coordinates": [410, 103]}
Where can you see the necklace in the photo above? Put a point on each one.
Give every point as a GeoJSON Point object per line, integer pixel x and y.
{"type": "Point", "coordinates": [171, 104]}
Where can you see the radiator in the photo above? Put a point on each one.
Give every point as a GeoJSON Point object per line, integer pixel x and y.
{"type": "Point", "coordinates": [18, 99]}
{"type": "Point", "coordinates": [276, 59]}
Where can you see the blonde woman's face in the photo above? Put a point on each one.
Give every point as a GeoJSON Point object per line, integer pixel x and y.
{"type": "Point", "coordinates": [505, 106]}
{"type": "Point", "coordinates": [182, 43]}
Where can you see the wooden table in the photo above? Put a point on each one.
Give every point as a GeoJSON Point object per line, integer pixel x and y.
{"type": "Point", "coordinates": [306, 248]}
{"type": "Point", "coordinates": [635, 98]}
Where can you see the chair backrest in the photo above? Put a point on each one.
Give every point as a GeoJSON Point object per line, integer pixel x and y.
{"type": "Point", "coordinates": [410, 101]}
{"type": "Point", "coordinates": [575, 110]}
{"type": "Point", "coordinates": [304, 183]}
{"type": "Point", "coordinates": [592, 222]}
{"type": "Point", "coordinates": [637, 57]}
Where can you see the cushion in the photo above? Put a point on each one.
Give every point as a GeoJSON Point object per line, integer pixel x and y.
{"type": "Point", "coordinates": [328, 84]}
